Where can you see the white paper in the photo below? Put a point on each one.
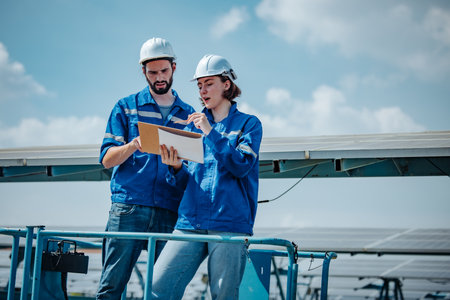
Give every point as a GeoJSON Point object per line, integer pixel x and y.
{"type": "Point", "coordinates": [189, 148]}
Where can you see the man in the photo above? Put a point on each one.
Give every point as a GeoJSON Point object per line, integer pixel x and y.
{"type": "Point", "coordinates": [142, 200]}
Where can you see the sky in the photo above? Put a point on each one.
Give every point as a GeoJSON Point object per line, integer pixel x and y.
{"type": "Point", "coordinates": [305, 68]}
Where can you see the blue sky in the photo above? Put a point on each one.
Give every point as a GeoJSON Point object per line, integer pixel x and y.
{"type": "Point", "coordinates": [305, 68]}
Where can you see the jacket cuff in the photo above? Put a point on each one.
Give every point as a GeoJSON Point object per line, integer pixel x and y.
{"type": "Point", "coordinates": [212, 138]}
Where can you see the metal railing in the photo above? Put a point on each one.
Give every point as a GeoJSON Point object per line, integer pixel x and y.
{"type": "Point", "coordinates": [41, 235]}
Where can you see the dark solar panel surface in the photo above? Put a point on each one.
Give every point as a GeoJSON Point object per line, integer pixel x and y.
{"type": "Point", "coordinates": [365, 240]}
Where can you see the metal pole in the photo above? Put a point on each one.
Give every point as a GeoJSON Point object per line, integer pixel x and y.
{"type": "Point", "coordinates": [124, 293]}
{"type": "Point", "coordinates": [325, 271]}
{"type": "Point", "coordinates": [27, 263]}
{"type": "Point", "coordinates": [150, 263]}
{"type": "Point", "coordinates": [13, 268]}
{"type": "Point", "coordinates": [292, 281]}
{"type": "Point", "coordinates": [37, 264]}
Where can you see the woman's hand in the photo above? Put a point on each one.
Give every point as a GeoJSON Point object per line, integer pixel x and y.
{"type": "Point", "coordinates": [201, 122]}
{"type": "Point", "coordinates": [170, 157]}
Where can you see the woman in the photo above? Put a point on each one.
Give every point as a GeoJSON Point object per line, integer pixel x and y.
{"type": "Point", "coordinates": [220, 195]}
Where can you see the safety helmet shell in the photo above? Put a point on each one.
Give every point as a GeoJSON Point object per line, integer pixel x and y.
{"type": "Point", "coordinates": [156, 48]}
{"type": "Point", "coordinates": [211, 65]}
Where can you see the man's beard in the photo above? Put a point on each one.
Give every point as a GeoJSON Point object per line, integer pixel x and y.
{"type": "Point", "coordinates": [163, 90]}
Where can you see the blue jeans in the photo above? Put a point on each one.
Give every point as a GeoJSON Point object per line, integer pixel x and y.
{"type": "Point", "coordinates": [120, 255]}
{"type": "Point", "coordinates": [179, 262]}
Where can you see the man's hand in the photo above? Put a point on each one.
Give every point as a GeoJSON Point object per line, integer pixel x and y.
{"type": "Point", "coordinates": [118, 154]}
{"type": "Point", "coordinates": [137, 143]}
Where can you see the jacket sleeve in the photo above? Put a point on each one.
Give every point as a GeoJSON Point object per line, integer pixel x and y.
{"type": "Point", "coordinates": [178, 180]}
{"type": "Point", "coordinates": [240, 159]}
{"type": "Point", "coordinates": [116, 133]}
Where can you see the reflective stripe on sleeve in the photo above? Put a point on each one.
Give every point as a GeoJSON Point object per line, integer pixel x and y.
{"type": "Point", "coordinates": [236, 132]}
{"type": "Point", "coordinates": [117, 138]}
{"type": "Point", "coordinates": [247, 149]}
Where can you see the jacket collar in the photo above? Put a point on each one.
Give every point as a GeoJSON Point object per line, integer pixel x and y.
{"type": "Point", "coordinates": [146, 98]}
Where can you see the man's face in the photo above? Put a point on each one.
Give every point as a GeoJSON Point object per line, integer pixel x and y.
{"type": "Point", "coordinates": [159, 75]}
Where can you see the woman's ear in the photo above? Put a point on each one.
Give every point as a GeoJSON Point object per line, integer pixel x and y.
{"type": "Point", "coordinates": [227, 85]}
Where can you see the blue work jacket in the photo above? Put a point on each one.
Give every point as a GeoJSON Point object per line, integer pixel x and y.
{"type": "Point", "coordinates": [222, 193]}
{"type": "Point", "coordinates": [141, 178]}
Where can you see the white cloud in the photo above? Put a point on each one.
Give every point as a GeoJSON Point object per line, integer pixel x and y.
{"type": "Point", "coordinates": [353, 81]}
{"type": "Point", "coordinates": [14, 81]}
{"type": "Point", "coordinates": [277, 96]}
{"type": "Point", "coordinates": [54, 131]}
{"type": "Point", "coordinates": [393, 119]}
{"type": "Point", "coordinates": [229, 22]}
{"type": "Point", "coordinates": [410, 35]}
{"type": "Point", "coordinates": [327, 113]}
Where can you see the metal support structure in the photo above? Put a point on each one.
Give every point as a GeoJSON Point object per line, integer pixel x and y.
{"type": "Point", "coordinates": [277, 276]}
{"type": "Point", "coordinates": [327, 257]}
{"type": "Point", "coordinates": [325, 270]}
{"type": "Point", "coordinates": [13, 268]}
{"type": "Point", "coordinates": [27, 263]}
{"type": "Point", "coordinates": [385, 289]}
{"type": "Point", "coordinates": [37, 264]}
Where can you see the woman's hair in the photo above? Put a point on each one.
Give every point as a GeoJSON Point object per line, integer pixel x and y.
{"type": "Point", "coordinates": [233, 92]}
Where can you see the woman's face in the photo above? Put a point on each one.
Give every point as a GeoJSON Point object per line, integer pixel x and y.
{"type": "Point", "coordinates": [211, 91]}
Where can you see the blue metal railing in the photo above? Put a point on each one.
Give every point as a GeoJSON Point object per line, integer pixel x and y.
{"type": "Point", "coordinates": [41, 235]}
{"type": "Point", "coordinates": [326, 256]}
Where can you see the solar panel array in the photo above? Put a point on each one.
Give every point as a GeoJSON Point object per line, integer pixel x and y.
{"type": "Point", "coordinates": [366, 258]}
{"type": "Point", "coordinates": [365, 240]}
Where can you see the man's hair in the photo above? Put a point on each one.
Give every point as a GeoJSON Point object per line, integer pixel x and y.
{"type": "Point", "coordinates": [233, 92]}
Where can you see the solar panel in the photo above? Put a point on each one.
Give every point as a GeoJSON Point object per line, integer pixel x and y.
{"type": "Point", "coordinates": [402, 154]}
{"type": "Point", "coordinates": [365, 240]}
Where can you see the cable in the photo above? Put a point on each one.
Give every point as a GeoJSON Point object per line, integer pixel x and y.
{"type": "Point", "coordinates": [282, 194]}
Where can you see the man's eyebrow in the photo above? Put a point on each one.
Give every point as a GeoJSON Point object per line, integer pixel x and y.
{"type": "Point", "coordinates": [163, 69]}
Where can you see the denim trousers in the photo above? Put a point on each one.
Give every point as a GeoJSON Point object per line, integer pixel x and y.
{"type": "Point", "coordinates": [119, 256]}
{"type": "Point", "coordinates": [179, 262]}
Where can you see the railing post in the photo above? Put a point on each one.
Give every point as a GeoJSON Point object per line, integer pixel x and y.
{"type": "Point", "coordinates": [124, 293]}
{"type": "Point", "coordinates": [37, 264]}
{"type": "Point", "coordinates": [292, 289]}
{"type": "Point", "coordinates": [27, 263]}
{"type": "Point", "coordinates": [325, 271]}
{"type": "Point", "coordinates": [292, 272]}
{"type": "Point", "coordinates": [13, 268]}
{"type": "Point", "coordinates": [150, 263]}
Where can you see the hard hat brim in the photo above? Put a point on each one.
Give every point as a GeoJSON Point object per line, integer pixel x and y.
{"type": "Point", "coordinates": [156, 58]}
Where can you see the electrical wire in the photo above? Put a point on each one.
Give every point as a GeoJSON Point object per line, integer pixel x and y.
{"type": "Point", "coordinates": [286, 191]}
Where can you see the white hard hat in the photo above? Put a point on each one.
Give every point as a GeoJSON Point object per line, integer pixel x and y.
{"type": "Point", "coordinates": [211, 65]}
{"type": "Point", "coordinates": [156, 48]}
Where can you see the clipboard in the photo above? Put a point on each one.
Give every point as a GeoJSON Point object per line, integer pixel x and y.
{"type": "Point", "coordinates": [189, 145]}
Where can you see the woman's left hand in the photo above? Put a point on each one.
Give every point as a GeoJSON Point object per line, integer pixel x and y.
{"type": "Point", "coordinates": [170, 157]}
